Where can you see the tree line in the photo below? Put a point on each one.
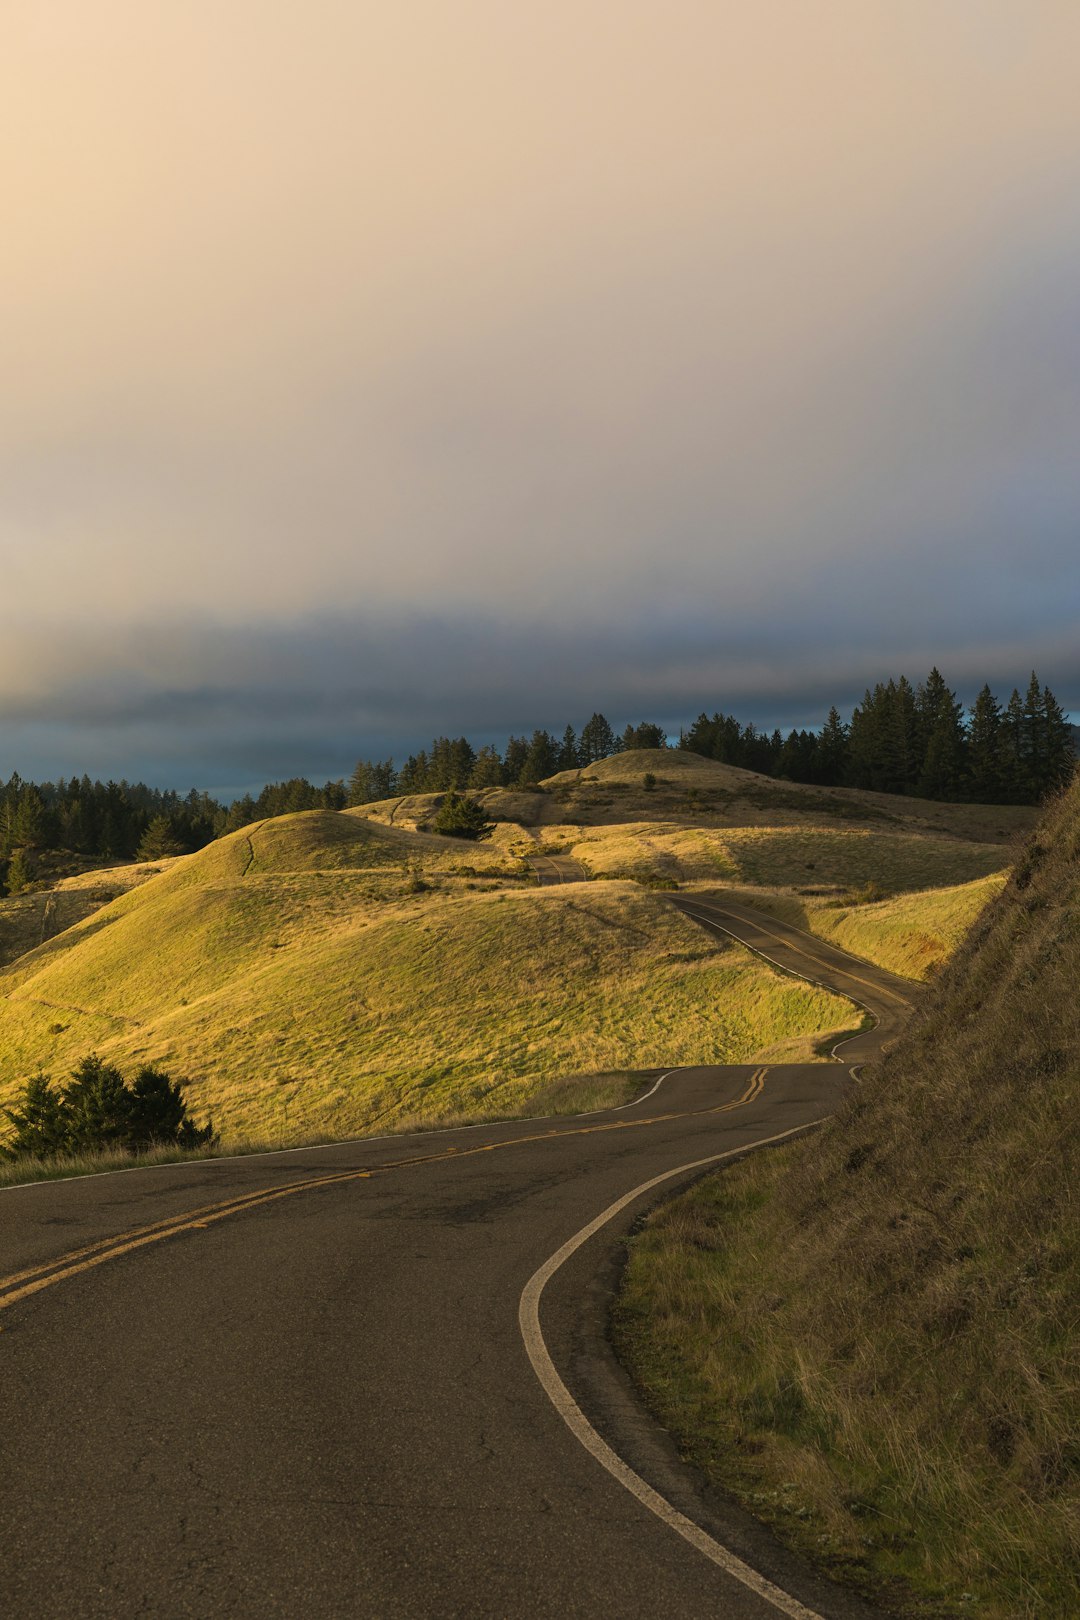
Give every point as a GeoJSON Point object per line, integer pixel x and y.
{"type": "Point", "coordinates": [112, 821]}
{"type": "Point", "coordinates": [913, 740]}
{"type": "Point", "coordinates": [900, 739]}
{"type": "Point", "coordinates": [452, 764]}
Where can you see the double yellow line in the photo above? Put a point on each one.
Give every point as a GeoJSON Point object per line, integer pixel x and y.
{"type": "Point", "coordinates": [22, 1285]}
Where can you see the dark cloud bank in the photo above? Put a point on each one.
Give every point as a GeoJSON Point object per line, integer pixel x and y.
{"type": "Point", "coordinates": [311, 699]}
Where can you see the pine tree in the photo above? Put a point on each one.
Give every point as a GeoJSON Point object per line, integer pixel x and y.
{"type": "Point", "coordinates": [1060, 752]}
{"type": "Point", "coordinates": [1013, 763]}
{"type": "Point", "coordinates": [158, 841]}
{"type": "Point", "coordinates": [459, 817]}
{"type": "Point", "coordinates": [984, 763]}
{"type": "Point", "coordinates": [939, 740]}
{"type": "Point", "coordinates": [542, 758]}
{"type": "Point", "coordinates": [20, 871]}
{"type": "Point", "coordinates": [597, 740]}
{"type": "Point", "coordinates": [832, 749]}
{"type": "Point", "coordinates": [97, 1105]}
{"type": "Point", "coordinates": [487, 772]}
{"type": "Point", "coordinates": [569, 759]}
{"type": "Point", "coordinates": [40, 1126]}
{"type": "Point", "coordinates": [517, 751]}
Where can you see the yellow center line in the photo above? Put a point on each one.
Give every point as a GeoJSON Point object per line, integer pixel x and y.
{"type": "Point", "coordinates": [22, 1284]}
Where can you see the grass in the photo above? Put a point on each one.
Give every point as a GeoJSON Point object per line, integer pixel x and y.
{"type": "Point", "coordinates": [801, 855]}
{"type": "Point", "coordinates": [580, 1094]}
{"type": "Point", "coordinates": [911, 934]}
{"type": "Point", "coordinates": [293, 976]}
{"type": "Point", "coordinates": [37, 914]}
{"type": "Point", "coordinates": [872, 1336]}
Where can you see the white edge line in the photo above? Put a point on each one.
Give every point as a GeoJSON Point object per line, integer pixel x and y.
{"type": "Point", "coordinates": [794, 972]}
{"type": "Point", "coordinates": [582, 1429]}
{"type": "Point", "coordinates": [819, 939]}
{"type": "Point", "coordinates": [345, 1141]}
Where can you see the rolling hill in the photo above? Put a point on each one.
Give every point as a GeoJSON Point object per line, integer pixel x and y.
{"type": "Point", "coordinates": [322, 973]}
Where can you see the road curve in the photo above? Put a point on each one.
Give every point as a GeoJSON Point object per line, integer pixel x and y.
{"type": "Point", "coordinates": [297, 1384]}
{"type": "Point", "coordinates": [552, 869]}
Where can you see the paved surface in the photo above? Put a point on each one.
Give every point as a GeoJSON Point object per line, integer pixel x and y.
{"type": "Point", "coordinates": [552, 869]}
{"type": "Point", "coordinates": [296, 1384]}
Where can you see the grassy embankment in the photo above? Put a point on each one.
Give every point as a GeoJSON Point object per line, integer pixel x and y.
{"type": "Point", "coordinates": [872, 1336]}
{"type": "Point", "coordinates": [318, 974]}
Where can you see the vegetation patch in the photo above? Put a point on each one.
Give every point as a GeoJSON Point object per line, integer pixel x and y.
{"type": "Point", "coordinates": [872, 1335]}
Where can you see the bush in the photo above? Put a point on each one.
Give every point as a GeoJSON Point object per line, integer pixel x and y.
{"type": "Point", "coordinates": [460, 817]}
{"type": "Point", "coordinates": [648, 781]}
{"type": "Point", "coordinates": [97, 1110]}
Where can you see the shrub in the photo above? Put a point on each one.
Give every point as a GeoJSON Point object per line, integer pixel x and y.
{"type": "Point", "coordinates": [460, 817]}
{"type": "Point", "coordinates": [97, 1110]}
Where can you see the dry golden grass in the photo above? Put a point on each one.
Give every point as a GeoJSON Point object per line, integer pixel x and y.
{"type": "Point", "coordinates": [30, 918]}
{"type": "Point", "coordinates": [913, 935]}
{"type": "Point", "coordinates": [300, 980]}
{"type": "Point", "coordinates": [826, 856]}
{"type": "Point", "coordinates": [873, 1335]}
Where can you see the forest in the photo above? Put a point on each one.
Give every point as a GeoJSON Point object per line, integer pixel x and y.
{"type": "Point", "coordinates": [902, 738]}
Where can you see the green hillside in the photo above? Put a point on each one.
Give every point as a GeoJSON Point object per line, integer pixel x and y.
{"type": "Point", "coordinates": [319, 972]}
{"type": "Point", "coordinates": [873, 1335]}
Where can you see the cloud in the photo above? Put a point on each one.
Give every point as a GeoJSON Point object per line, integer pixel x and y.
{"type": "Point", "coordinates": [367, 361]}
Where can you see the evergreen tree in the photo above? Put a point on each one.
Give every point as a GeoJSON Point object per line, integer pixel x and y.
{"type": "Point", "coordinates": [542, 758]}
{"type": "Point", "coordinates": [568, 751]}
{"type": "Point", "coordinates": [517, 752]}
{"type": "Point", "coordinates": [1060, 751]}
{"type": "Point", "coordinates": [96, 1105]}
{"type": "Point", "coordinates": [487, 772]}
{"type": "Point", "coordinates": [157, 1113]}
{"type": "Point", "coordinates": [597, 740]}
{"type": "Point", "coordinates": [939, 739]}
{"type": "Point", "coordinates": [985, 778]}
{"type": "Point", "coordinates": [644, 735]}
{"type": "Point", "coordinates": [1013, 761]}
{"type": "Point", "coordinates": [20, 871]}
{"type": "Point", "coordinates": [833, 749]}
{"type": "Point", "coordinates": [459, 817]}
{"type": "Point", "coordinates": [158, 841]}
{"type": "Point", "coordinates": [40, 1126]}
{"type": "Point", "coordinates": [1033, 745]}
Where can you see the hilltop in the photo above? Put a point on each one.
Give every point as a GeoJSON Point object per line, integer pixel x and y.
{"type": "Point", "coordinates": [685, 787]}
{"type": "Point", "coordinates": [873, 1335]}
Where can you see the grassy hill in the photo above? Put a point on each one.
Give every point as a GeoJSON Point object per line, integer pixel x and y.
{"type": "Point", "coordinates": [689, 788]}
{"type": "Point", "coordinates": [873, 1335]}
{"type": "Point", "coordinates": [321, 973]}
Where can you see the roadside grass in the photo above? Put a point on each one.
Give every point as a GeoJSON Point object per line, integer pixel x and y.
{"type": "Point", "coordinates": [565, 1095]}
{"type": "Point", "coordinates": [912, 934]}
{"type": "Point", "coordinates": [290, 974]}
{"type": "Point", "coordinates": [872, 1336]}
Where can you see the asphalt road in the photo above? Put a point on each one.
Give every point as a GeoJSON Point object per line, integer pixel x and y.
{"type": "Point", "coordinates": [351, 1381]}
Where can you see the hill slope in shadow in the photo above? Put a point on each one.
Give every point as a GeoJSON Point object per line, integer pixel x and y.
{"type": "Point", "coordinates": [882, 1348]}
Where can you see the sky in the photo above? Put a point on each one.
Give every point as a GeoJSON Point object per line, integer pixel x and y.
{"type": "Point", "coordinates": [379, 370]}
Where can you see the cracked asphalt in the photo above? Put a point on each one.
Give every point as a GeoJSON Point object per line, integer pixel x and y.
{"type": "Point", "coordinates": [319, 1402]}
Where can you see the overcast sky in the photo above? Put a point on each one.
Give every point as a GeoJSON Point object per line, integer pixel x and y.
{"type": "Point", "coordinates": [373, 368]}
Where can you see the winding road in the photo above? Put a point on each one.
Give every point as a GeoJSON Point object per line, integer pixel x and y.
{"type": "Point", "coordinates": [372, 1379]}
